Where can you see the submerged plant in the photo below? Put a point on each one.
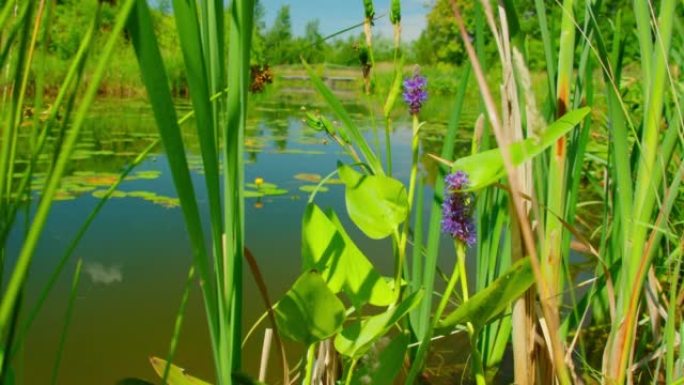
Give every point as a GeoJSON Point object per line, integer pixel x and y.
{"type": "Point", "coordinates": [458, 208]}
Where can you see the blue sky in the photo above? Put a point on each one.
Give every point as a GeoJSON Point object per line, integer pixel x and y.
{"type": "Point", "coordinates": [335, 15]}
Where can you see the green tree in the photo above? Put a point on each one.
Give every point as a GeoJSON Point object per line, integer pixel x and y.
{"type": "Point", "coordinates": [313, 48]}
{"type": "Point", "coordinates": [440, 41]}
{"type": "Point", "coordinates": [279, 38]}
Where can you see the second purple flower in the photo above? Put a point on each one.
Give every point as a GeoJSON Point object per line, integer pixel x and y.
{"type": "Point", "coordinates": [458, 208]}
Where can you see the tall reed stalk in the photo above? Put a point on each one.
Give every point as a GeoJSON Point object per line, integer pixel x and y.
{"type": "Point", "coordinates": [636, 258]}
{"type": "Point", "coordinates": [201, 33]}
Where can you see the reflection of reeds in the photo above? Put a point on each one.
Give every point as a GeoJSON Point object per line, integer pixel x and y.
{"type": "Point", "coordinates": [25, 22]}
{"type": "Point", "coordinates": [221, 125]}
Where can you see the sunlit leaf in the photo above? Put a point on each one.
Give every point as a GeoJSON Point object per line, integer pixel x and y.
{"type": "Point", "coordinates": [309, 312]}
{"type": "Point", "coordinates": [177, 375]}
{"type": "Point", "coordinates": [494, 299]}
{"type": "Point", "coordinates": [384, 364]}
{"type": "Point", "coordinates": [355, 340]}
{"type": "Point", "coordinates": [327, 248]}
{"type": "Point", "coordinates": [377, 204]}
{"type": "Point", "coordinates": [487, 167]}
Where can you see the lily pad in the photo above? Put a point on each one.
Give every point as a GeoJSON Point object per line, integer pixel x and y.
{"type": "Point", "coordinates": [80, 155]}
{"type": "Point", "coordinates": [115, 194]}
{"type": "Point", "coordinates": [253, 194]}
{"type": "Point", "coordinates": [142, 194]}
{"type": "Point", "coordinates": [298, 151]}
{"type": "Point", "coordinates": [164, 201]}
{"type": "Point", "coordinates": [64, 196]}
{"type": "Point", "coordinates": [101, 180]}
{"type": "Point", "coordinates": [146, 174]}
{"type": "Point", "coordinates": [263, 186]}
{"type": "Point", "coordinates": [307, 177]}
{"type": "Point", "coordinates": [309, 188]}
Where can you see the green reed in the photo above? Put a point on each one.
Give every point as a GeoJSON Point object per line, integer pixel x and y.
{"type": "Point", "coordinates": [221, 124]}
{"type": "Point", "coordinates": [639, 189]}
{"type": "Point", "coordinates": [26, 23]}
{"type": "Point", "coordinates": [532, 188]}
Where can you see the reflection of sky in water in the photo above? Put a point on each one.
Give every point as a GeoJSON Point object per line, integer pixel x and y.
{"type": "Point", "coordinates": [118, 324]}
{"type": "Point", "coordinates": [101, 274]}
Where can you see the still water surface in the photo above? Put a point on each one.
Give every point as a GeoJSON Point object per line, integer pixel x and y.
{"type": "Point", "coordinates": [136, 254]}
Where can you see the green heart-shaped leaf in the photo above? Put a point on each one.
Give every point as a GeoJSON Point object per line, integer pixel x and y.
{"type": "Point", "coordinates": [327, 248]}
{"type": "Point", "coordinates": [377, 204]}
{"type": "Point", "coordinates": [309, 312]}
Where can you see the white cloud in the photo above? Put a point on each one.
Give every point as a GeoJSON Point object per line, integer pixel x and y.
{"type": "Point", "coordinates": [100, 274]}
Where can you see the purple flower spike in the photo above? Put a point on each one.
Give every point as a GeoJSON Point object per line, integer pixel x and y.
{"type": "Point", "coordinates": [457, 209]}
{"type": "Point", "coordinates": [415, 93]}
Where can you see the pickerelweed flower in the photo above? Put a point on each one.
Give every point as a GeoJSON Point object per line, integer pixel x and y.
{"type": "Point", "coordinates": [458, 208]}
{"type": "Point", "coordinates": [415, 93]}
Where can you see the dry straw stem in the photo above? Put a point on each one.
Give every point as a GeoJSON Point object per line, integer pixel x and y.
{"type": "Point", "coordinates": [263, 290]}
{"type": "Point", "coordinates": [549, 313]}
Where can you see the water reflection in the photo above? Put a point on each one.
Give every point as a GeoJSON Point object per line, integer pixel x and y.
{"type": "Point", "coordinates": [142, 230]}
{"type": "Point", "coordinates": [101, 274]}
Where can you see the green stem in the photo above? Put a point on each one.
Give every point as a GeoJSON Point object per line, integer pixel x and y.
{"type": "Point", "coordinates": [425, 343]}
{"type": "Point", "coordinates": [415, 146]}
{"type": "Point", "coordinates": [350, 372]}
{"type": "Point", "coordinates": [320, 184]}
{"type": "Point", "coordinates": [461, 256]}
{"type": "Point", "coordinates": [478, 369]}
{"type": "Point", "coordinates": [388, 145]}
{"type": "Point", "coordinates": [398, 263]}
{"type": "Point", "coordinates": [308, 375]}
{"type": "Point", "coordinates": [178, 325]}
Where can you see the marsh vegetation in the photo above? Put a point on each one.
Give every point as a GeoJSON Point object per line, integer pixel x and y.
{"type": "Point", "coordinates": [190, 196]}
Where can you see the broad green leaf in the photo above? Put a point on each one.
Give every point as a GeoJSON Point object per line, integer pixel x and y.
{"type": "Point", "coordinates": [487, 167]}
{"type": "Point", "coordinates": [385, 363]}
{"type": "Point", "coordinates": [494, 299]}
{"type": "Point", "coordinates": [355, 340]}
{"type": "Point", "coordinates": [377, 204]}
{"type": "Point", "coordinates": [327, 248]}
{"type": "Point", "coordinates": [177, 375]}
{"type": "Point", "coordinates": [309, 312]}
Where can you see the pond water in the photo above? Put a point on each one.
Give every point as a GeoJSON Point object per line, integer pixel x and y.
{"type": "Point", "coordinates": [136, 254]}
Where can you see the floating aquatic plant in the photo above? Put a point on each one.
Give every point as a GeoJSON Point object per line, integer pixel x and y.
{"type": "Point", "coordinates": [308, 188]}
